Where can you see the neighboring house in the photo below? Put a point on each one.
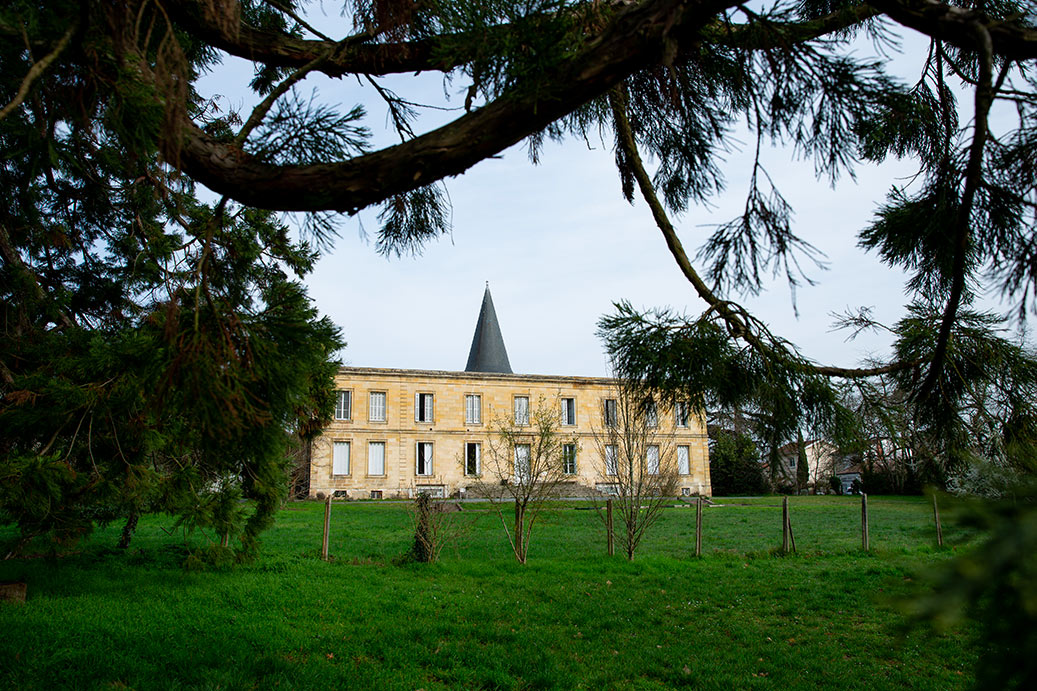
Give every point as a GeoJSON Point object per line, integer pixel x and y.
{"type": "Point", "coordinates": [823, 461]}
{"type": "Point", "coordinates": [398, 432]}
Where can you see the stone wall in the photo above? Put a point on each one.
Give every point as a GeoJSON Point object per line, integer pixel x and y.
{"type": "Point", "coordinates": [448, 431]}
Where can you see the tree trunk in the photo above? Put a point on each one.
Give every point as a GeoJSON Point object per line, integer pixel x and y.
{"type": "Point", "coordinates": [520, 543]}
{"type": "Point", "coordinates": [128, 529]}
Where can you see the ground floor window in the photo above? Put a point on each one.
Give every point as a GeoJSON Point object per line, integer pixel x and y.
{"type": "Point", "coordinates": [521, 462]}
{"type": "Point", "coordinates": [423, 455]}
{"type": "Point", "coordinates": [569, 459]}
{"type": "Point", "coordinates": [376, 458]}
{"type": "Point", "coordinates": [472, 458]}
{"type": "Point", "coordinates": [340, 458]}
{"type": "Point", "coordinates": [683, 460]}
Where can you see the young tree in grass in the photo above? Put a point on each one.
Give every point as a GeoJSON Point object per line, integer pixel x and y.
{"type": "Point", "coordinates": [802, 463]}
{"type": "Point", "coordinates": [636, 462]}
{"type": "Point", "coordinates": [524, 466]}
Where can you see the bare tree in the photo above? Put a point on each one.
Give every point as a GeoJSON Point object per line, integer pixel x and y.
{"type": "Point", "coordinates": [636, 462]}
{"type": "Point", "coordinates": [436, 524]}
{"type": "Point", "coordinates": [524, 466]}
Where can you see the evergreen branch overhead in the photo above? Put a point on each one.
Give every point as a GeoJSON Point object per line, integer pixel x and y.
{"type": "Point", "coordinates": [739, 324]}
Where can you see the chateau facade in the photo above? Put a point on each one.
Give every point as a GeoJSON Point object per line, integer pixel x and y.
{"type": "Point", "coordinates": [399, 432]}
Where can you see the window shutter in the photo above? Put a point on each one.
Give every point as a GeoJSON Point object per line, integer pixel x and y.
{"type": "Point", "coordinates": [340, 458]}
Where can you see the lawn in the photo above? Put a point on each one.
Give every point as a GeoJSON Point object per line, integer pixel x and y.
{"type": "Point", "coordinates": [739, 617]}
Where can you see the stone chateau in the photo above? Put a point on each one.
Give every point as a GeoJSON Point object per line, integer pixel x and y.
{"type": "Point", "coordinates": [398, 432]}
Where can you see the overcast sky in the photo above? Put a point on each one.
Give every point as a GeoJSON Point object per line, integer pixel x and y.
{"type": "Point", "coordinates": [559, 245]}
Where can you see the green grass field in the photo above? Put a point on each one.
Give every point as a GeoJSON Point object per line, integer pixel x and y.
{"type": "Point", "coordinates": [740, 617]}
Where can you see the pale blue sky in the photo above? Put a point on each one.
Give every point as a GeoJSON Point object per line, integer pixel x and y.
{"type": "Point", "coordinates": [559, 245]}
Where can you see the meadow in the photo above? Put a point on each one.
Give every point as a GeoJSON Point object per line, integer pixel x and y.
{"type": "Point", "coordinates": [741, 616]}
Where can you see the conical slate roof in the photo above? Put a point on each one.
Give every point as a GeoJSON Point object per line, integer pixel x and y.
{"type": "Point", "coordinates": [488, 353]}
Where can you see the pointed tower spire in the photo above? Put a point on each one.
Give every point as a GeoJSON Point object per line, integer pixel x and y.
{"type": "Point", "coordinates": [488, 353]}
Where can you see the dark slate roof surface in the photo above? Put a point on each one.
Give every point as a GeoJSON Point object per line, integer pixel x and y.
{"type": "Point", "coordinates": [488, 353]}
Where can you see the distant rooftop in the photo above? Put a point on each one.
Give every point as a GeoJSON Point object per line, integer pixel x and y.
{"type": "Point", "coordinates": [488, 353]}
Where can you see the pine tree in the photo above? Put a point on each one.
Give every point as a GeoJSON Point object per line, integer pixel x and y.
{"type": "Point", "coordinates": [145, 329]}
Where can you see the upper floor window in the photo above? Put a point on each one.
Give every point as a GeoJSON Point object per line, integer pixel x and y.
{"type": "Point", "coordinates": [473, 409]}
{"type": "Point", "coordinates": [376, 407]}
{"type": "Point", "coordinates": [569, 459]}
{"type": "Point", "coordinates": [521, 410]}
{"type": "Point", "coordinates": [568, 411]}
{"type": "Point", "coordinates": [343, 405]}
{"type": "Point", "coordinates": [651, 413]}
{"type": "Point", "coordinates": [681, 413]}
{"type": "Point", "coordinates": [472, 458]}
{"type": "Point", "coordinates": [609, 412]}
{"type": "Point", "coordinates": [423, 407]}
{"type": "Point", "coordinates": [340, 458]}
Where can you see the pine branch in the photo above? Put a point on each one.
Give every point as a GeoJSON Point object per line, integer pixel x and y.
{"type": "Point", "coordinates": [37, 70]}
{"type": "Point", "coordinates": [1007, 38]}
{"type": "Point", "coordinates": [634, 39]}
{"type": "Point", "coordinates": [973, 179]}
{"type": "Point", "coordinates": [735, 316]}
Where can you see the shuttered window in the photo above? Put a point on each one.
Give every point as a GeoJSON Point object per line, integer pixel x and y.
{"type": "Point", "coordinates": [683, 460]}
{"type": "Point", "coordinates": [423, 407]}
{"type": "Point", "coordinates": [340, 458]}
{"type": "Point", "coordinates": [521, 410]}
{"type": "Point", "coordinates": [521, 462]}
{"type": "Point", "coordinates": [423, 458]}
{"type": "Point", "coordinates": [472, 458]}
{"type": "Point", "coordinates": [569, 458]}
{"type": "Point", "coordinates": [652, 460]}
{"type": "Point", "coordinates": [473, 409]}
{"type": "Point", "coordinates": [376, 458]}
{"type": "Point", "coordinates": [568, 411]}
{"type": "Point", "coordinates": [343, 405]}
{"type": "Point", "coordinates": [376, 407]}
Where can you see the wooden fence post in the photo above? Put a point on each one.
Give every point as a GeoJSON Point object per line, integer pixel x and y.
{"type": "Point", "coordinates": [698, 527]}
{"type": "Point", "coordinates": [939, 528]}
{"type": "Point", "coordinates": [327, 529]}
{"type": "Point", "coordinates": [608, 526]}
{"type": "Point", "coordinates": [865, 536]}
{"type": "Point", "coordinates": [784, 525]}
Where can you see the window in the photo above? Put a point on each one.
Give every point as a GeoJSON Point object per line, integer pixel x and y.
{"type": "Point", "coordinates": [376, 458]}
{"type": "Point", "coordinates": [568, 411]}
{"type": "Point", "coordinates": [473, 409]}
{"type": "Point", "coordinates": [521, 462]}
{"type": "Point", "coordinates": [608, 410]}
{"type": "Point", "coordinates": [423, 407]}
{"type": "Point", "coordinates": [611, 460]}
{"type": "Point", "coordinates": [472, 458]}
{"type": "Point", "coordinates": [340, 458]}
{"type": "Point", "coordinates": [651, 413]}
{"type": "Point", "coordinates": [521, 410]}
{"type": "Point", "coordinates": [680, 413]}
{"type": "Point", "coordinates": [569, 458]}
{"type": "Point", "coordinates": [423, 458]}
{"type": "Point", "coordinates": [376, 407]}
{"type": "Point", "coordinates": [343, 405]}
{"type": "Point", "coordinates": [792, 463]}
{"type": "Point", "coordinates": [683, 461]}
{"type": "Point", "coordinates": [652, 460]}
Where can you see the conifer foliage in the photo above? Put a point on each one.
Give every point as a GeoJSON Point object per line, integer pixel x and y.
{"type": "Point", "coordinates": [156, 343]}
